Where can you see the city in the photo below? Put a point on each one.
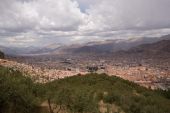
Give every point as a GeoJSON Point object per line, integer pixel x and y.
{"type": "Point", "coordinates": [84, 56]}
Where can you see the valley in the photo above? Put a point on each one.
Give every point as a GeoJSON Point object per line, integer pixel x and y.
{"type": "Point", "coordinates": [147, 64]}
{"type": "Point", "coordinates": [88, 80]}
{"type": "Point", "coordinates": [84, 56]}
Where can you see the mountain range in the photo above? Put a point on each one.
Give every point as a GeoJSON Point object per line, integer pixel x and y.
{"type": "Point", "coordinates": [158, 50]}
{"type": "Point", "coordinates": [112, 46]}
{"type": "Point", "coordinates": [97, 47]}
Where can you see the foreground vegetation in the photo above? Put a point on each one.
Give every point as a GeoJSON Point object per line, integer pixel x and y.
{"type": "Point", "coordinates": [92, 93]}
{"type": "Point", "coordinates": [17, 93]}
{"type": "Point", "coordinates": [1, 54]}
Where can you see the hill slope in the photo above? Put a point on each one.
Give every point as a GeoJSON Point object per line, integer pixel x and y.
{"type": "Point", "coordinates": [17, 93]}
{"type": "Point", "coordinates": [93, 89]}
{"type": "Point", "coordinates": [91, 93]}
{"type": "Point", "coordinates": [161, 46]}
{"type": "Point", "coordinates": [159, 49]}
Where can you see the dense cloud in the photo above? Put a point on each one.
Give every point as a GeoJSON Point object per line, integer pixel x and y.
{"type": "Point", "coordinates": [27, 22]}
{"type": "Point", "coordinates": [130, 14]}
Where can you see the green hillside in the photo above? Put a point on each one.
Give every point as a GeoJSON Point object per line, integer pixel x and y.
{"type": "Point", "coordinates": [92, 93]}
{"type": "Point", "coordinates": [17, 93]}
{"type": "Point", "coordinates": [83, 93]}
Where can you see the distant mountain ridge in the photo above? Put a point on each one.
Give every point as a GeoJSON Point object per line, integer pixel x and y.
{"type": "Point", "coordinates": [96, 47]}
{"type": "Point", "coordinates": [47, 49]}
{"type": "Point", "coordinates": [163, 46]}
{"type": "Point", "coordinates": [159, 49]}
{"type": "Point", "coordinates": [115, 45]}
{"type": "Point", "coordinates": [17, 50]}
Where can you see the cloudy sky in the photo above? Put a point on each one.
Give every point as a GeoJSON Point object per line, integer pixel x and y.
{"type": "Point", "coordinates": [43, 22]}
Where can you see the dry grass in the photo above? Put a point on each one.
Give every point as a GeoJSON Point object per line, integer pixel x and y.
{"type": "Point", "coordinates": [109, 108]}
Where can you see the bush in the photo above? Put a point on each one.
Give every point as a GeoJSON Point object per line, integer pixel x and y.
{"type": "Point", "coordinates": [78, 94]}
{"type": "Point", "coordinates": [83, 93]}
{"type": "Point", "coordinates": [1, 54]}
{"type": "Point", "coordinates": [16, 95]}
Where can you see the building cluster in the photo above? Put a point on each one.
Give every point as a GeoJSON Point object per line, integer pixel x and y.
{"type": "Point", "coordinates": [39, 74]}
{"type": "Point", "coordinates": [145, 74]}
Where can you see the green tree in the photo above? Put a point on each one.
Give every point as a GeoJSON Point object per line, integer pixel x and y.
{"type": "Point", "coordinates": [1, 54]}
